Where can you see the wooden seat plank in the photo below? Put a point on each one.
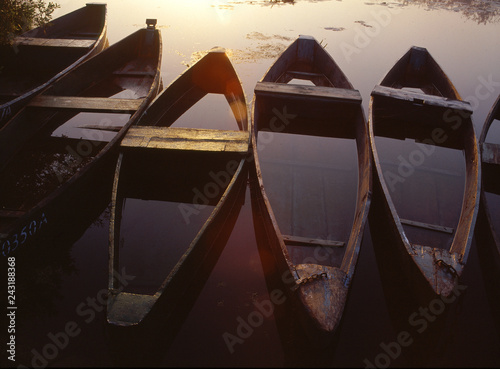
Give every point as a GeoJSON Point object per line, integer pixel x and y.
{"type": "Point", "coordinates": [490, 153]}
{"type": "Point", "coordinates": [102, 127]}
{"type": "Point", "coordinates": [88, 104]}
{"type": "Point", "coordinates": [432, 227]}
{"type": "Point", "coordinates": [187, 139]}
{"type": "Point", "coordinates": [420, 98]}
{"type": "Point", "coordinates": [305, 241]}
{"type": "Point", "coordinates": [305, 75]}
{"type": "Point", "coordinates": [320, 93]}
{"type": "Point", "coordinates": [55, 42]}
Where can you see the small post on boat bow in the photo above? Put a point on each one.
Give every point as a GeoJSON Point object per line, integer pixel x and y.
{"type": "Point", "coordinates": [150, 34]}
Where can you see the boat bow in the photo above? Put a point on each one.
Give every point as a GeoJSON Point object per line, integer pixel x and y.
{"type": "Point", "coordinates": [440, 268]}
{"type": "Point", "coordinates": [322, 290]}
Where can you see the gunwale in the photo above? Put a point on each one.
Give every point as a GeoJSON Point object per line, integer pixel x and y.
{"type": "Point", "coordinates": [490, 163]}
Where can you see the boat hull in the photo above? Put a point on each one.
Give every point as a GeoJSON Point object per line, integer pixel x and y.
{"type": "Point", "coordinates": [91, 164]}
{"type": "Point", "coordinates": [438, 121]}
{"type": "Point", "coordinates": [331, 109]}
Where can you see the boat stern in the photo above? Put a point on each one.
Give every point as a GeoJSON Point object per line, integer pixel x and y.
{"type": "Point", "coordinates": [129, 309]}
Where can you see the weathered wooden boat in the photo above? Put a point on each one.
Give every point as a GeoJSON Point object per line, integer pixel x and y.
{"type": "Point", "coordinates": [39, 56]}
{"type": "Point", "coordinates": [66, 137]}
{"type": "Point", "coordinates": [315, 249]}
{"type": "Point", "coordinates": [490, 168]}
{"type": "Point", "coordinates": [430, 211]}
{"type": "Point", "coordinates": [189, 177]}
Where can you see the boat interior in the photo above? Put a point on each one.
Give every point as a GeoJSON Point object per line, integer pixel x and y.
{"type": "Point", "coordinates": [308, 154]}
{"type": "Point", "coordinates": [60, 131]}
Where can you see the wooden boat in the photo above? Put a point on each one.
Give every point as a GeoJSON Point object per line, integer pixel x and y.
{"type": "Point", "coordinates": [39, 56]}
{"type": "Point", "coordinates": [416, 108]}
{"type": "Point", "coordinates": [490, 166]}
{"type": "Point", "coordinates": [66, 137]}
{"type": "Point", "coordinates": [327, 108]}
{"type": "Point", "coordinates": [188, 176]}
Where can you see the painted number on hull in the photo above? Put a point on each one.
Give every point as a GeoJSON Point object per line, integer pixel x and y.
{"type": "Point", "coordinates": [16, 239]}
{"type": "Point", "coordinates": [5, 113]}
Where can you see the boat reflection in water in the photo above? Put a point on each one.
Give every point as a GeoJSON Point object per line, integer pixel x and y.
{"type": "Point", "coordinates": [42, 270]}
{"type": "Point", "coordinates": [149, 258]}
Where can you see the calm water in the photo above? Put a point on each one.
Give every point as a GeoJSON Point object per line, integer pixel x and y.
{"type": "Point", "coordinates": [65, 279]}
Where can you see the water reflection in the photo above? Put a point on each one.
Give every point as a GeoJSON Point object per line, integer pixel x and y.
{"type": "Point", "coordinates": [147, 344]}
{"type": "Point", "coordinates": [43, 272]}
{"type": "Point", "coordinates": [430, 325]}
{"type": "Point", "coordinates": [478, 11]}
{"type": "Point", "coordinates": [488, 253]}
{"type": "Point", "coordinates": [263, 47]}
{"type": "Point", "coordinates": [430, 192]}
{"type": "Point", "coordinates": [238, 274]}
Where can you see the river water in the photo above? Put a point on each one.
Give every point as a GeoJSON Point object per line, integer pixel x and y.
{"type": "Point", "coordinates": [66, 288]}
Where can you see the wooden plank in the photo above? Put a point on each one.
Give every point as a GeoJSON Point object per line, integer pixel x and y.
{"type": "Point", "coordinates": [432, 227]}
{"type": "Point", "coordinates": [305, 75]}
{"type": "Point", "coordinates": [54, 42]}
{"type": "Point", "coordinates": [170, 138]}
{"type": "Point", "coordinates": [490, 153]}
{"type": "Point", "coordinates": [88, 104]}
{"type": "Point", "coordinates": [102, 128]}
{"type": "Point", "coordinates": [305, 241]}
{"type": "Point", "coordinates": [421, 98]}
{"type": "Point", "coordinates": [308, 92]}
